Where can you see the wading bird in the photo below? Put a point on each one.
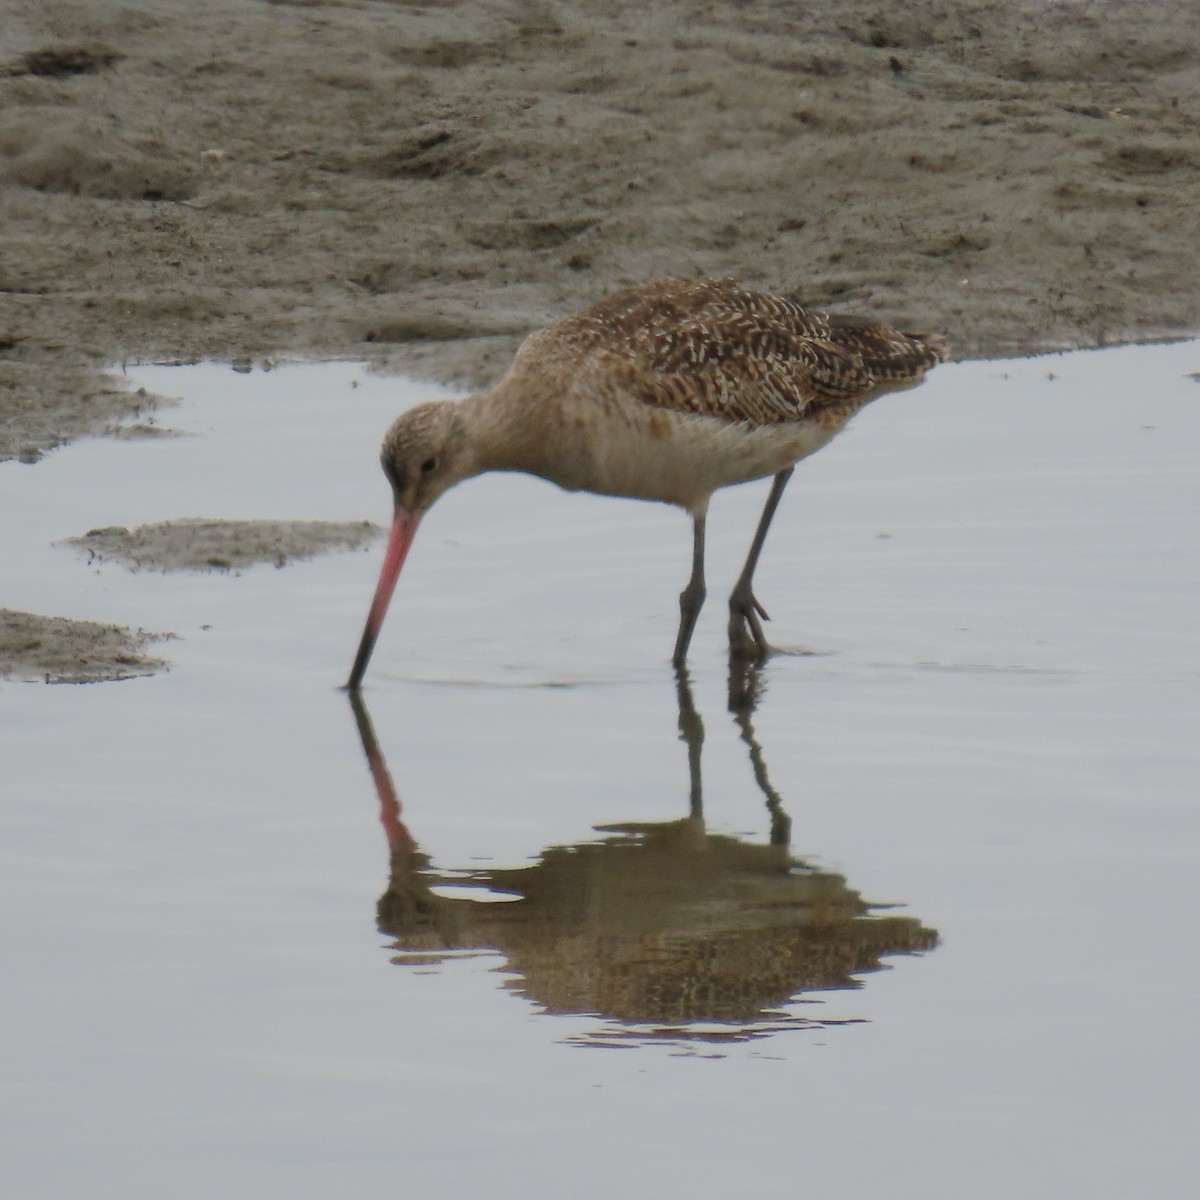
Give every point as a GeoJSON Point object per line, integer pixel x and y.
{"type": "Point", "coordinates": [665, 392]}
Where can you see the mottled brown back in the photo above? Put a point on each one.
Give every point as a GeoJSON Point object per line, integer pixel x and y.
{"type": "Point", "coordinates": [715, 348]}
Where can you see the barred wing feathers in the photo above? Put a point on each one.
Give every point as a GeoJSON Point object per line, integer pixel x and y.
{"type": "Point", "coordinates": [714, 348]}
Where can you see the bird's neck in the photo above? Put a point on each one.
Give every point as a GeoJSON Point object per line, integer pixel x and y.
{"type": "Point", "coordinates": [508, 430]}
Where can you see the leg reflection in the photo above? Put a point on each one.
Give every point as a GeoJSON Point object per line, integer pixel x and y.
{"type": "Point", "coordinates": [691, 731]}
{"type": "Point", "coordinates": [745, 688]}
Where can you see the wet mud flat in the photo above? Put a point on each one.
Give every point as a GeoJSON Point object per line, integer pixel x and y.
{"type": "Point", "coordinates": [422, 185]}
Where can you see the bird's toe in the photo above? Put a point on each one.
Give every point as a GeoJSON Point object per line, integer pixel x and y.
{"type": "Point", "coordinates": [747, 642]}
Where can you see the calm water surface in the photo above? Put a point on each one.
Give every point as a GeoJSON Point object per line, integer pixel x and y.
{"type": "Point", "coordinates": [913, 919]}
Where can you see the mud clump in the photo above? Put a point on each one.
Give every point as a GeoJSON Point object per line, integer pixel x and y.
{"type": "Point", "coordinates": [57, 62]}
{"type": "Point", "coordinates": [196, 544]}
{"type": "Point", "coordinates": [42, 649]}
{"type": "Point", "coordinates": [79, 155]}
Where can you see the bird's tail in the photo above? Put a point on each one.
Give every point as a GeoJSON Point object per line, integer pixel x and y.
{"type": "Point", "coordinates": [888, 354]}
{"type": "Point", "coordinates": [933, 345]}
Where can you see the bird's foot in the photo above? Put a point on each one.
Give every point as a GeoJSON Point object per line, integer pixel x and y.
{"type": "Point", "coordinates": [747, 642]}
{"type": "Point", "coordinates": [691, 600]}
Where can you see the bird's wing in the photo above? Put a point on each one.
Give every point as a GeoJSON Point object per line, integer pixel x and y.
{"type": "Point", "coordinates": [714, 348]}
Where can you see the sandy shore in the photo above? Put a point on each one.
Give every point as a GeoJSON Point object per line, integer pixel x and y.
{"type": "Point", "coordinates": [419, 185]}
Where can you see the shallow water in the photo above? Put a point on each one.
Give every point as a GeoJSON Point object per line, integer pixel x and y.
{"type": "Point", "coordinates": [544, 969]}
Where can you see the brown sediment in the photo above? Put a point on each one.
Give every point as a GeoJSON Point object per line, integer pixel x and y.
{"type": "Point", "coordinates": [198, 544]}
{"type": "Point", "coordinates": [43, 649]}
{"type": "Point", "coordinates": [420, 185]}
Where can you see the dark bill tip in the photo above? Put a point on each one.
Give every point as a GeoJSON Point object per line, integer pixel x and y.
{"type": "Point", "coordinates": [404, 528]}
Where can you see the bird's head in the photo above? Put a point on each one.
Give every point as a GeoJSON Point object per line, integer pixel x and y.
{"type": "Point", "coordinates": [425, 452]}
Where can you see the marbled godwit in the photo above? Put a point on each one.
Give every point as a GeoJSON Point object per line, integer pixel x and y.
{"type": "Point", "coordinates": [666, 392]}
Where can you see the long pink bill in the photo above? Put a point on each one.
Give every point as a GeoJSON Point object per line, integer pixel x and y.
{"type": "Point", "coordinates": [404, 529]}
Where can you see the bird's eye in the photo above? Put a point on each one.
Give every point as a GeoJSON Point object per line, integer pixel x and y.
{"type": "Point", "coordinates": [428, 465]}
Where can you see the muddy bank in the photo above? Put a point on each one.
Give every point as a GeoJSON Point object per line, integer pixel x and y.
{"type": "Point", "coordinates": [420, 184]}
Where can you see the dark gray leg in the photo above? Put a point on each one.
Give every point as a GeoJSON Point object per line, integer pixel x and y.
{"type": "Point", "coordinates": [746, 638]}
{"type": "Point", "coordinates": [691, 599]}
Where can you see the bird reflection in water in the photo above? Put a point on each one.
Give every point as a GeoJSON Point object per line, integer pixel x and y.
{"type": "Point", "coordinates": [663, 930]}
